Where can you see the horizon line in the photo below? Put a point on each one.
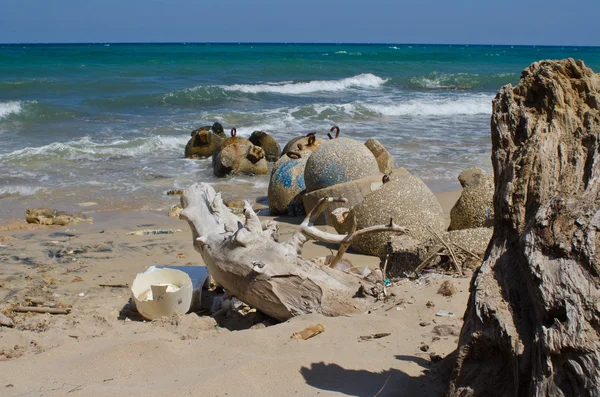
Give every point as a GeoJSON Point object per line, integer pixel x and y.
{"type": "Point", "coordinates": [284, 42]}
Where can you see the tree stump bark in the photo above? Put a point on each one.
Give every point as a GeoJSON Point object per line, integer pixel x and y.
{"type": "Point", "coordinates": [532, 322]}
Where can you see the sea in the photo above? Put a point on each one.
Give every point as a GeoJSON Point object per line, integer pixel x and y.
{"type": "Point", "coordinates": [93, 127]}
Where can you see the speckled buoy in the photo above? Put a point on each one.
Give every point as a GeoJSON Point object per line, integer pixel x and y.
{"type": "Point", "coordinates": [287, 184]}
{"type": "Point", "coordinates": [303, 143]}
{"type": "Point", "coordinates": [475, 207]}
{"type": "Point", "coordinates": [338, 161]}
{"type": "Point", "coordinates": [405, 198]}
{"type": "Point", "coordinates": [237, 155]}
{"type": "Point", "coordinates": [353, 191]}
{"type": "Point", "coordinates": [385, 161]}
{"type": "Point", "coordinates": [202, 143]}
{"type": "Point", "coordinates": [267, 143]}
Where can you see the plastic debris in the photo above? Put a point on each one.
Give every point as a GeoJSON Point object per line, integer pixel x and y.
{"type": "Point", "coordinates": [444, 313]}
{"type": "Point", "coordinates": [162, 292]}
{"type": "Point", "coordinates": [148, 232]}
{"type": "Point", "coordinates": [308, 332]}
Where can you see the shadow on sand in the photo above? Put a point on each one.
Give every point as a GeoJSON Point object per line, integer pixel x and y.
{"type": "Point", "coordinates": [392, 382]}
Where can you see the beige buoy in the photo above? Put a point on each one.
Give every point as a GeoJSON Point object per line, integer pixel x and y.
{"type": "Point", "coordinates": [338, 160]}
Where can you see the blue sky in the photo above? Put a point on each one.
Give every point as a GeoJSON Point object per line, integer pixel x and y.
{"type": "Point", "coordinates": [547, 22]}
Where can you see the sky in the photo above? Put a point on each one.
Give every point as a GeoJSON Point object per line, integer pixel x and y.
{"type": "Point", "coordinates": [537, 22]}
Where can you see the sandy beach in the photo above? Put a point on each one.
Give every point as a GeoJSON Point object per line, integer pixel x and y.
{"type": "Point", "coordinates": [98, 350]}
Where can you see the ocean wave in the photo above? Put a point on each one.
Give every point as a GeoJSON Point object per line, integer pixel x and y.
{"type": "Point", "coordinates": [86, 149]}
{"type": "Point", "coordinates": [460, 81]}
{"type": "Point", "coordinates": [18, 190]}
{"type": "Point", "coordinates": [9, 108]}
{"type": "Point", "coordinates": [471, 105]}
{"type": "Point", "coordinates": [435, 107]}
{"type": "Point", "coordinates": [364, 80]}
{"type": "Point", "coordinates": [34, 110]}
{"type": "Point", "coordinates": [348, 53]}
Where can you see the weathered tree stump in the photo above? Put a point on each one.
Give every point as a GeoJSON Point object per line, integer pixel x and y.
{"type": "Point", "coordinates": [533, 319]}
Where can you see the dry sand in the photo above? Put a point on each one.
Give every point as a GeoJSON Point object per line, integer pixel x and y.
{"type": "Point", "coordinates": [96, 351]}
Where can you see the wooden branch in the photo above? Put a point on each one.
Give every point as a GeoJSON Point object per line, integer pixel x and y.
{"type": "Point", "coordinates": [311, 217]}
{"type": "Point", "coordinates": [38, 309]}
{"type": "Point", "coordinates": [449, 248]}
{"type": "Point", "coordinates": [467, 251]}
{"type": "Point", "coordinates": [320, 235]}
{"type": "Point", "coordinates": [425, 261]}
{"type": "Point", "coordinates": [343, 248]}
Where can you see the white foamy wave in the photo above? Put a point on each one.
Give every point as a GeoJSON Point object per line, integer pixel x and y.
{"type": "Point", "coordinates": [86, 149]}
{"type": "Point", "coordinates": [18, 190]}
{"type": "Point", "coordinates": [8, 108]}
{"type": "Point", "coordinates": [434, 107]}
{"type": "Point", "coordinates": [365, 80]}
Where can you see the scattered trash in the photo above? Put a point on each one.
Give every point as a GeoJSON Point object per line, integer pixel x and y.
{"type": "Point", "coordinates": [162, 292]}
{"type": "Point", "coordinates": [82, 294]}
{"type": "Point", "coordinates": [447, 289]}
{"type": "Point", "coordinates": [199, 276]}
{"type": "Point", "coordinates": [387, 282]}
{"type": "Point", "coordinates": [308, 332]}
{"type": "Point", "coordinates": [435, 357]}
{"type": "Point", "coordinates": [148, 232]}
{"type": "Point", "coordinates": [445, 330]}
{"type": "Point", "coordinates": [424, 348]}
{"type": "Point", "coordinates": [374, 336]}
{"type": "Point", "coordinates": [444, 313]}
{"type": "Point", "coordinates": [6, 321]}
{"type": "Point", "coordinates": [430, 304]}
{"type": "Point", "coordinates": [41, 309]}
{"type": "Point", "coordinates": [114, 285]}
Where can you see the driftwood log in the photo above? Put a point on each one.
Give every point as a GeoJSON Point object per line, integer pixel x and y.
{"type": "Point", "coordinates": [244, 257]}
{"type": "Point", "coordinates": [532, 324]}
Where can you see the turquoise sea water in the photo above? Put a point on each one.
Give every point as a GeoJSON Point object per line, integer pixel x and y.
{"type": "Point", "coordinates": [107, 124]}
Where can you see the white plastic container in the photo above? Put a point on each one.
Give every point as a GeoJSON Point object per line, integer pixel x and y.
{"type": "Point", "coordinates": [162, 292]}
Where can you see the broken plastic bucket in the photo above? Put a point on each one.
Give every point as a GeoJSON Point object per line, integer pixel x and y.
{"type": "Point", "coordinates": [162, 292]}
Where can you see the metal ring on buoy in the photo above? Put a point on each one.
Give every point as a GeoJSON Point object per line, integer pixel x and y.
{"type": "Point", "coordinates": [293, 155]}
{"type": "Point", "coordinates": [312, 138]}
{"type": "Point", "coordinates": [337, 131]}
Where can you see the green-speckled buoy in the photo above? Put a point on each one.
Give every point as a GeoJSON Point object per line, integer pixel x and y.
{"type": "Point", "coordinates": [336, 161]}
{"type": "Point", "coordinates": [267, 143]}
{"type": "Point", "coordinates": [287, 184]}
{"type": "Point", "coordinates": [237, 155]}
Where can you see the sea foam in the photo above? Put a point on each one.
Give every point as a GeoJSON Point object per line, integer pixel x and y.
{"type": "Point", "coordinates": [18, 190]}
{"type": "Point", "coordinates": [8, 108]}
{"type": "Point", "coordinates": [86, 149]}
{"type": "Point", "coordinates": [435, 107]}
{"type": "Point", "coordinates": [365, 80]}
